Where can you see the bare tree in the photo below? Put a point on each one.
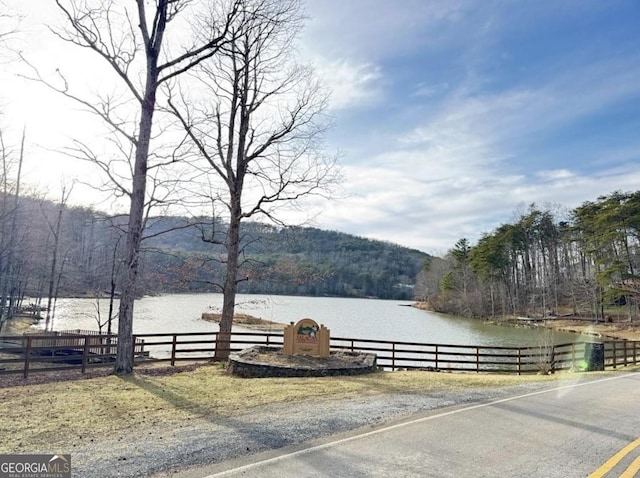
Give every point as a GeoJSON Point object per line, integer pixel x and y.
{"type": "Point", "coordinates": [131, 37]}
{"type": "Point", "coordinates": [8, 229]}
{"type": "Point", "coordinates": [54, 229]}
{"type": "Point", "coordinates": [113, 277]}
{"type": "Point", "coordinates": [259, 132]}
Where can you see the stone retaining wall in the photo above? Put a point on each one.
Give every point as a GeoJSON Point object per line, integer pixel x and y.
{"type": "Point", "coordinates": [246, 364]}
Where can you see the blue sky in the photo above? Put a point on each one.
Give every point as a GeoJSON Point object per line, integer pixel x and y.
{"type": "Point", "coordinates": [451, 116]}
{"type": "Point", "coordinates": [454, 115]}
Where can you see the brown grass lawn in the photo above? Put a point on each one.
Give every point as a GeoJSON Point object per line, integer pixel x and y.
{"type": "Point", "coordinates": [61, 414]}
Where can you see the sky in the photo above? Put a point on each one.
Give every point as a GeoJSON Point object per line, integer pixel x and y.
{"type": "Point", "coordinates": [449, 116]}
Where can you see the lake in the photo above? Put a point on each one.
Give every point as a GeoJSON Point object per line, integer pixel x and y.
{"type": "Point", "coordinates": [345, 317]}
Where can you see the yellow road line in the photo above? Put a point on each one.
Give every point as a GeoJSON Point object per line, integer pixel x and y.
{"type": "Point", "coordinates": [632, 470]}
{"type": "Point", "coordinates": [615, 459]}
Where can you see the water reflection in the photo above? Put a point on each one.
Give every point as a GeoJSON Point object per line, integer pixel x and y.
{"type": "Point", "coordinates": [357, 318]}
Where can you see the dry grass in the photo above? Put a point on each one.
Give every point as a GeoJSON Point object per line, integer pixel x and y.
{"type": "Point", "coordinates": [15, 326]}
{"type": "Point", "coordinates": [618, 330]}
{"type": "Point", "coordinates": [66, 414]}
{"type": "Point", "coordinates": [61, 415]}
{"type": "Point", "coordinates": [18, 326]}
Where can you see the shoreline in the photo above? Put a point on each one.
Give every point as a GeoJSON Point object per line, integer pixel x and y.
{"type": "Point", "coordinates": [583, 326]}
{"type": "Point", "coordinates": [616, 330]}
{"type": "Point", "coordinates": [611, 330]}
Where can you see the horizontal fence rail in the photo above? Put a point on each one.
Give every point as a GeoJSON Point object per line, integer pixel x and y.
{"type": "Point", "coordinates": [467, 358]}
{"type": "Point", "coordinates": [68, 350]}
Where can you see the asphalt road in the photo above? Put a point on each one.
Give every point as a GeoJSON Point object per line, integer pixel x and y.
{"type": "Point", "coordinates": [586, 429]}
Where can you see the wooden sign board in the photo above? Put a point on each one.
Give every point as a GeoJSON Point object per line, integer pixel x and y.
{"type": "Point", "coordinates": [306, 337]}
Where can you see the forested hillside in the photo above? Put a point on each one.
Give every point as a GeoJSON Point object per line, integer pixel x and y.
{"type": "Point", "coordinates": [544, 264]}
{"type": "Point", "coordinates": [291, 260]}
{"type": "Point", "coordinates": [48, 249]}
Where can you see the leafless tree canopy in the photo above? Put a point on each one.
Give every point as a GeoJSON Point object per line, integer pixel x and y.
{"type": "Point", "coordinates": [261, 123]}
{"type": "Point", "coordinates": [256, 118]}
{"type": "Point", "coordinates": [145, 46]}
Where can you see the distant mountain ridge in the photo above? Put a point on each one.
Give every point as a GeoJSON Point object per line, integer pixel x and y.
{"type": "Point", "coordinates": [291, 261]}
{"type": "Point", "coordinates": [174, 258]}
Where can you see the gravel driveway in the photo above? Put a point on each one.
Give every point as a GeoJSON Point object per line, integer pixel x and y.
{"type": "Point", "coordinates": [160, 450]}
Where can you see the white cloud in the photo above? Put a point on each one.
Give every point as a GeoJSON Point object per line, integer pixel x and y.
{"type": "Point", "coordinates": [352, 85]}
{"type": "Point", "coordinates": [470, 143]}
{"type": "Point", "coordinates": [555, 174]}
{"type": "Point", "coordinates": [416, 211]}
{"type": "Point", "coordinates": [468, 165]}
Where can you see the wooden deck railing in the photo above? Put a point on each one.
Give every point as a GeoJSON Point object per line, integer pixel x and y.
{"type": "Point", "coordinates": [73, 350]}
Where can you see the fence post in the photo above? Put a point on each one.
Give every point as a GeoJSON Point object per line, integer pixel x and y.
{"type": "Point", "coordinates": [109, 346]}
{"type": "Point", "coordinates": [614, 354]}
{"type": "Point", "coordinates": [27, 353]}
{"type": "Point", "coordinates": [477, 359]}
{"type": "Point", "coordinates": [552, 360]}
{"type": "Point", "coordinates": [133, 350]}
{"type": "Point", "coordinates": [519, 361]}
{"type": "Point", "coordinates": [85, 353]}
{"type": "Point", "coordinates": [393, 357]}
{"type": "Point", "coordinates": [173, 349]}
{"type": "Point", "coordinates": [624, 352]}
{"type": "Point", "coordinates": [573, 356]}
{"type": "Point", "coordinates": [635, 343]}
{"type": "Point", "coordinates": [267, 340]}
{"type": "Point", "coordinates": [436, 357]}
{"type": "Point", "coordinates": [352, 346]}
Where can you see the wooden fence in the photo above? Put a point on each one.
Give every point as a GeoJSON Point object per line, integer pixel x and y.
{"type": "Point", "coordinates": [60, 350]}
{"type": "Point", "coordinates": [477, 358]}
{"type": "Point", "coordinates": [74, 340]}
{"type": "Point", "coordinates": [80, 350]}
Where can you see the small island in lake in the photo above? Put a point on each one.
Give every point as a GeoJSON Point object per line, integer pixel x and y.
{"type": "Point", "coordinates": [245, 320]}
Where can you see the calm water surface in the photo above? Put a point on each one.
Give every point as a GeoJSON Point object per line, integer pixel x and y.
{"type": "Point", "coordinates": [357, 318]}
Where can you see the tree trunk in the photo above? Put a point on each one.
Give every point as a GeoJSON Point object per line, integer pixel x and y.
{"type": "Point", "coordinates": [4, 286]}
{"type": "Point", "coordinates": [7, 267]}
{"type": "Point", "coordinates": [54, 260]}
{"type": "Point", "coordinates": [223, 343]}
{"type": "Point", "coordinates": [112, 294]}
{"type": "Point", "coordinates": [124, 355]}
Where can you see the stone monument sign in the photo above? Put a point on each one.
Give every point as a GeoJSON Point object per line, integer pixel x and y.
{"type": "Point", "coordinates": [306, 337]}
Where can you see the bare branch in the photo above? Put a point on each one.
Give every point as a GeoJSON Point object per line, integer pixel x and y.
{"type": "Point", "coordinates": [92, 28]}
{"type": "Point", "coordinates": [103, 109]}
{"type": "Point", "coordinates": [193, 56]}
